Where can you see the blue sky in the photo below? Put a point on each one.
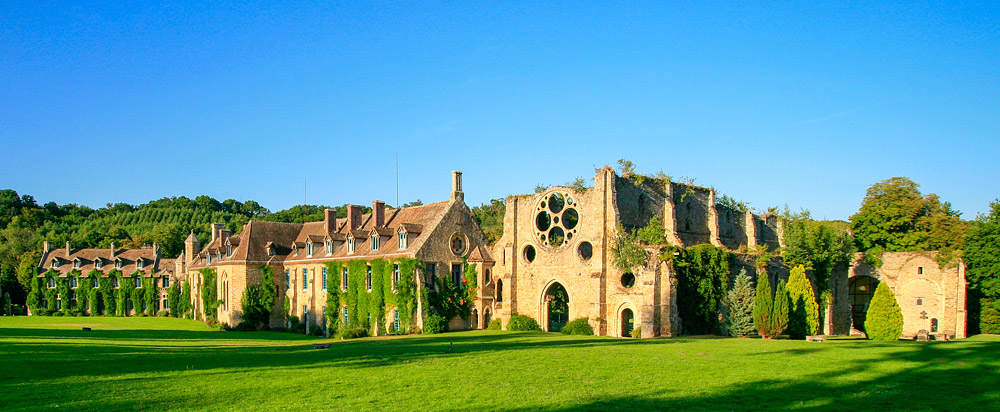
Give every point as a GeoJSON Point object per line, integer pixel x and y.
{"type": "Point", "coordinates": [805, 105]}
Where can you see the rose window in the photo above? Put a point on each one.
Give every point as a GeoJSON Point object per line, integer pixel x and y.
{"type": "Point", "coordinates": [556, 219]}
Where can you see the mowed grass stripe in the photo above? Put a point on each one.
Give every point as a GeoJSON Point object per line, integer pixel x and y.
{"type": "Point", "coordinates": [173, 364]}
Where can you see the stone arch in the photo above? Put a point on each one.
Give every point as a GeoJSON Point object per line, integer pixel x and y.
{"type": "Point", "coordinates": [544, 305]}
{"type": "Point", "coordinates": [619, 325]}
{"type": "Point", "coordinates": [474, 319]}
{"type": "Point", "coordinates": [860, 290]}
{"type": "Point", "coordinates": [486, 318]}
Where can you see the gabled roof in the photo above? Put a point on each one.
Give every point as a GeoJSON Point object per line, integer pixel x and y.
{"type": "Point", "coordinates": [89, 256]}
{"type": "Point", "coordinates": [480, 254]}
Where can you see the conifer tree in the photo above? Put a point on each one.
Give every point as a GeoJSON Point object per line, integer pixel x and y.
{"type": "Point", "coordinates": [803, 318]}
{"type": "Point", "coordinates": [779, 314]}
{"type": "Point", "coordinates": [763, 306]}
{"type": "Point", "coordinates": [740, 304]}
{"type": "Point", "coordinates": [884, 320]}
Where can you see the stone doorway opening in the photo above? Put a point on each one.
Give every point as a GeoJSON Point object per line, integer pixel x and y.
{"type": "Point", "coordinates": [627, 322]}
{"type": "Point", "coordinates": [860, 291]}
{"type": "Point", "coordinates": [556, 307]}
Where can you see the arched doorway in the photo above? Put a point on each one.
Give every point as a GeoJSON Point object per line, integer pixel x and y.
{"type": "Point", "coordinates": [486, 318]}
{"type": "Point", "coordinates": [860, 291]}
{"type": "Point", "coordinates": [474, 318]}
{"type": "Point", "coordinates": [556, 307]}
{"type": "Point", "coordinates": [627, 322]}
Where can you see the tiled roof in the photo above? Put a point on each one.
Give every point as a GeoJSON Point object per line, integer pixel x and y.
{"type": "Point", "coordinates": [88, 256]}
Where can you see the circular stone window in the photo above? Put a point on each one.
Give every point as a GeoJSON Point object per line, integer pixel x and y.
{"type": "Point", "coordinates": [556, 219]}
{"type": "Point", "coordinates": [529, 253]}
{"type": "Point", "coordinates": [628, 280]}
{"type": "Point", "coordinates": [585, 250]}
{"type": "Point", "coordinates": [458, 244]}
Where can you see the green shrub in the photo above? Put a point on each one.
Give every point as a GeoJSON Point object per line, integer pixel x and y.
{"type": "Point", "coordinates": [496, 324]}
{"type": "Point", "coordinates": [803, 317]}
{"type": "Point", "coordinates": [779, 313]}
{"type": "Point", "coordinates": [57, 313]}
{"type": "Point", "coordinates": [763, 307]}
{"type": "Point", "coordinates": [884, 320]}
{"type": "Point", "coordinates": [355, 333]}
{"type": "Point", "coordinates": [522, 323]}
{"type": "Point", "coordinates": [579, 326]}
{"type": "Point", "coordinates": [244, 326]}
{"type": "Point", "coordinates": [414, 330]}
{"type": "Point", "coordinates": [739, 306]}
{"type": "Point", "coordinates": [162, 314]}
{"type": "Point", "coordinates": [989, 318]}
{"type": "Point", "coordinates": [637, 332]}
{"type": "Point", "coordinates": [435, 324]}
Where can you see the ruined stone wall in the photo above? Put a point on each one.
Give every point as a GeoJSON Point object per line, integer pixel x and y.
{"type": "Point", "coordinates": [732, 227]}
{"type": "Point", "coordinates": [691, 209]}
{"type": "Point", "coordinates": [924, 290]}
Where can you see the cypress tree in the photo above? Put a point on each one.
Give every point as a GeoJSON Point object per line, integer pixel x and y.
{"type": "Point", "coordinates": [763, 306]}
{"type": "Point", "coordinates": [740, 302]}
{"type": "Point", "coordinates": [884, 320]}
{"type": "Point", "coordinates": [803, 318]}
{"type": "Point", "coordinates": [779, 315]}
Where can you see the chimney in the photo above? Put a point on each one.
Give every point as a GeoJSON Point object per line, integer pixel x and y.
{"type": "Point", "coordinates": [353, 217]}
{"type": "Point", "coordinates": [224, 234]}
{"type": "Point", "coordinates": [378, 211]}
{"type": "Point", "coordinates": [67, 249]}
{"type": "Point", "coordinates": [112, 250]}
{"type": "Point", "coordinates": [46, 246]}
{"type": "Point", "coordinates": [156, 249]}
{"type": "Point", "coordinates": [216, 229]}
{"type": "Point", "coordinates": [330, 220]}
{"type": "Point", "coordinates": [456, 186]}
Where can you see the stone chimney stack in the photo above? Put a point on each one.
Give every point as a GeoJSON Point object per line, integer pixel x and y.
{"type": "Point", "coordinates": [216, 229]}
{"type": "Point", "coordinates": [156, 249]}
{"type": "Point", "coordinates": [456, 186]}
{"type": "Point", "coordinates": [68, 250]}
{"type": "Point", "coordinates": [353, 217]}
{"type": "Point", "coordinates": [378, 212]}
{"type": "Point", "coordinates": [191, 249]}
{"type": "Point", "coordinates": [112, 251]}
{"type": "Point", "coordinates": [329, 220]}
{"type": "Point", "coordinates": [46, 246]}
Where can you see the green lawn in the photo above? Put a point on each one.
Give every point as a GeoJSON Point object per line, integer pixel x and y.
{"type": "Point", "coordinates": [170, 364]}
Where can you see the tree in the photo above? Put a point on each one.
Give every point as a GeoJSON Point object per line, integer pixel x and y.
{"type": "Point", "coordinates": [174, 300]}
{"type": "Point", "coordinates": [803, 318]}
{"type": "Point", "coordinates": [895, 217]}
{"type": "Point", "coordinates": [740, 306]}
{"type": "Point", "coordinates": [702, 276]}
{"type": "Point", "coordinates": [884, 320]}
{"type": "Point", "coordinates": [763, 307]}
{"type": "Point", "coordinates": [820, 246]}
{"type": "Point", "coordinates": [779, 314]}
{"type": "Point", "coordinates": [490, 218]}
{"type": "Point", "coordinates": [982, 259]}
{"type": "Point", "coordinates": [255, 313]}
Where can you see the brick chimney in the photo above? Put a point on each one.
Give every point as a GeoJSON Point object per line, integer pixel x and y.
{"type": "Point", "coordinates": [216, 229]}
{"type": "Point", "coordinates": [353, 217]}
{"type": "Point", "coordinates": [112, 250]}
{"type": "Point", "coordinates": [46, 246]}
{"type": "Point", "coordinates": [329, 220]}
{"type": "Point", "coordinates": [456, 186]}
{"type": "Point", "coordinates": [378, 212]}
{"type": "Point", "coordinates": [68, 250]}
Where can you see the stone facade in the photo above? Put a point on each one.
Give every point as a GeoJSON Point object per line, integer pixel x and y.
{"type": "Point", "coordinates": [932, 297]}
{"type": "Point", "coordinates": [145, 260]}
{"type": "Point", "coordinates": [562, 238]}
{"type": "Point", "coordinates": [441, 235]}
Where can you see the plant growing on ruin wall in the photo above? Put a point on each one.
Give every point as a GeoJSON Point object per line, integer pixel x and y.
{"type": "Point", "coordinates": [702, 275]}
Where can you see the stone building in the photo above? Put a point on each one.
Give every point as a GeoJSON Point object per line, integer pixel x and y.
{"type": "Point", "coordinates": [77, 264]}
{"type": "Point", "coordinates": [442, 235]}
{"type": "Point", "coordinates": [931, 296]}
{"type": "Point", "coordinates": [556, 247]}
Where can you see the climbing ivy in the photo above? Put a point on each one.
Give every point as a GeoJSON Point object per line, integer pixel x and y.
{"type": "Point", "coordinates": [702, 274]}
{"type": "Point", "coordinates": [450, 300]}
{"type": "Point", "coordinates": [367, 308]}
{"type": "Point", "coordinates": [209, 293]}
{"type": "Point", "coordinates": [174, 299]}
{"type": "Point", "coordinates": [185, 304]}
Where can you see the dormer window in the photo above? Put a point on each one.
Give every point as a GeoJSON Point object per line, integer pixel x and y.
{"type": "Point", "coordinates": [309, 249]}
{"type": "Point", "coordinates": [55, 263]}
{"type": "Point", "coordinates": [76, 263]}
{"type": "Point", "coordinates": [329, 247]}
{"type": "Point", "coordinates": [270, 251]}
{"type": "Point", "coordinates": [350, 244]}
{"type": "Point", "coordinates": [98, 263]}
{"type": "Point", "coordinates": [118, 264]}
{"type": "Point", "coordinates": [140, 264]}
{"type": "Point", "coordinates": [402, 240]}
{"type": "Point", "coordinates": [375, 242]}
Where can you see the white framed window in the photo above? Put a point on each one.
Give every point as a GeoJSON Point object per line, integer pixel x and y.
{"type": "Point", "coordinates": [166, 281]}
{"type": "Point", "coordinates": [375, 242]}
{"type": "Point", "coordinates": [402, 240]}
{"type": "Point", "coordinates": [229, 250]}
{"type": "Point", "coordinates": [395, 275]}
{"type": "Point", "coordinates": [138, 282]}
{"type": "Point", "coordinates": [329, 247]}
{"type": "Point", "coordinates": [55, 263]}
{"type": "Point", "coordinates": [350, 244]}
{"type": "Point", "coordinates": [305, 279]}
{"type": "Point", "coordinates": [94, 283]}
{"type": "Point", "coordinates": [76, 264]}
{"type": "Point", "coordinates": [288, 278]}
{"type": "Point", "coordinates": [309, 249]}
{"type": "Point", "coordinates": [165, 304]}
{"type": "Point", "coordinates": [98, 263]}
{"type": "Point", "coordinates": [140, 264]}
{"type": "Point", "coordinates": [395, 322]}
{"type": "Point", "coordinates": [118, 264]}
{"type": "Point", "coordinates": [72, 282]}
{"type": "Point", "coordinates": [114, 282]}
{"type": "Point", "coordinates": [368, 278]}
{"type": "Point", "coordinates": [343, 279]}
{"type": "Point", "coordinates": [51, 283]}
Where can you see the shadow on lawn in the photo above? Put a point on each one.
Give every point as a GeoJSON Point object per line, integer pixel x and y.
{"type": "Point", "coordinates": [45, 352]}
{"type": "Point", "coordinates": [945, 378]}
